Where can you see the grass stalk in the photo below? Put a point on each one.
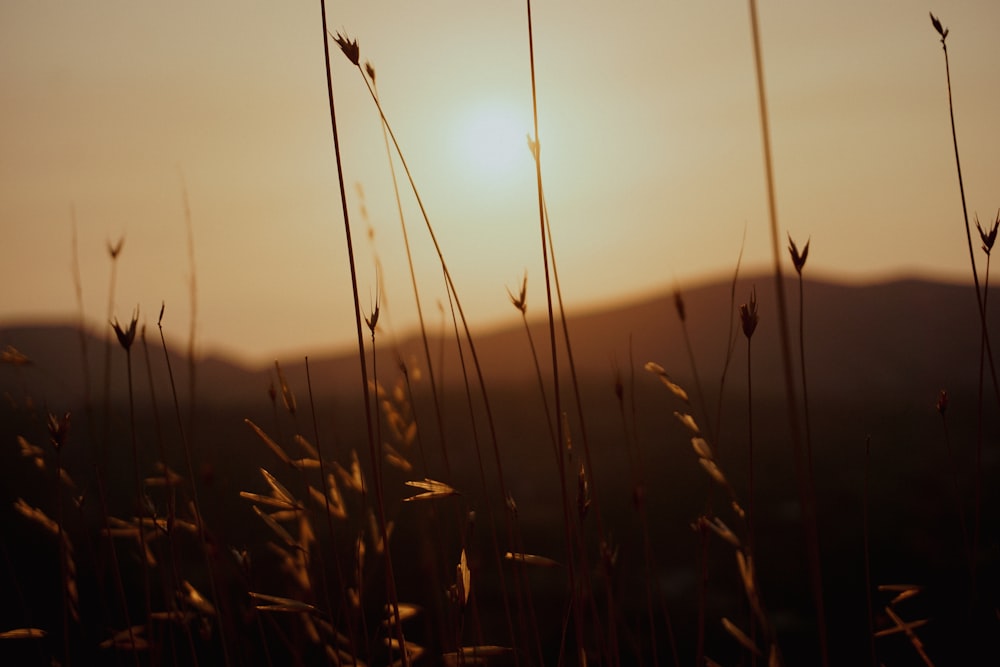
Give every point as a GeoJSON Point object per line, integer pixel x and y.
{"type": "Point", "coordinates": [452, 300]}
{"type": "Point", "coordinates": [192, 480]}
{"type": "Point", "coordinates": [193, 324]}
{"type": "Point", "coordinates": [351, 50]}
{"type": "Point", "coordinates": [980, 299]}
{"type": "Point", "coordinates": [547, 248]}
{"type": "Point", "coordinates": [126, 337]}
{"type": "Point", "coordinates": [169, 487]}
{"type": "Point", "coordinates": [811, 528]}
{"type": "Point", "coordinates": [390, 579]}
{"type": "Point", "coordinates": [113, 251]}
{"type": "Point", "coordinates": [732, 336]}
{"type": "Point", "coordinates": [431, 374]}
{"type": "Point", "coordinates": [749, 319]}
{"type": "Point", "coordinates": [119, 585]}
{"type": "Point", "coordinates": [942, 408]}
{"type": "Point", "coordinates": [63, 551]}
{"type": "Point", "coordinates": [866, 528]}
{"type": "Point", "coordinates": [379, 499]}
{"type": "Point", "coordinates": [345, 610]}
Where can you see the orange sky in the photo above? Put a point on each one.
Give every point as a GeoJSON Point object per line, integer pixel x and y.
{"type": "Point", "coordinates": [651, 153]}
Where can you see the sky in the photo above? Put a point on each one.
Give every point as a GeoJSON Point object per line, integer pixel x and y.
{"type": "Point", "coordinates": [114, 114]}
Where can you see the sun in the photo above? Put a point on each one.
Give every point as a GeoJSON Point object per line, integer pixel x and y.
{"type": "Point", "coordinates": [492, 141]}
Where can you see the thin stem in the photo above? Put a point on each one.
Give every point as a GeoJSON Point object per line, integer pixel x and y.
{"type": "Point", "coordinates": [731, 337]}
{"type": "Point", "coordinates": [751, 526]}
{"type": "Point", "coordinates": [119, 586]}
{"type": "Point", "coordinates": [812, 537]}
{"type": "Point", "coordinates": [329, 519]}
{"type": "Point", "coordinates": [805, 392]}
{"type": "Point", "coordinates": [139, 500]}
{"type": "Point", "coordinates": [983, 342]}
{"type": "Point", "coordinates": [980, 300]}
{"type": "Point", "coordinates": [63, 570]}
{"type": "Point", "coordinates": [560, 436]}
{"type": "Point", "coordinates": [189, 467]}
{"type": "Point", "coordinates": [868, 560]}
{"type": "Point", "coordinates": [439, 413]}
{"type": "Point", "coordinates": [380, 504]}
{"type": "Point", "coordinates": [457, 305]}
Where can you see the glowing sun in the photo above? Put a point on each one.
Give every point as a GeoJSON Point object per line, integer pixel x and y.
{"type": "Point", "coordinates": [492, 141]}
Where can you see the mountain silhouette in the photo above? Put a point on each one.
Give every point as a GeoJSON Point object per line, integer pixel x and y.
{"type": "Point", "coordinates": [906, 338]}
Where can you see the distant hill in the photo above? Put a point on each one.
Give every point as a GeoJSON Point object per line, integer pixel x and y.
{"type": "Point", "coordinates": [907, 338]}
{"type": "Point", "coordinates": [877, 356]}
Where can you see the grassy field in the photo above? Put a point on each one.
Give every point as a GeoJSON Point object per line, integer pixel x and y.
{"type": "Point", "coordinates": [759, 477]}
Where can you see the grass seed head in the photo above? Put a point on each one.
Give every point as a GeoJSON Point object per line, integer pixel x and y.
{"type": "Point", "coordinates": [114, 249]}
{"type": "Point", "coordinates": [349, 47]}
{"type": "Point", "coordinates": [940, 29]}
{"type": "Point", "coordinates": [13, 357]}
{"type": "Point", "coordinates": [370, 70]}
{"type": "Point", "coordinates": [521, 300]}
{"type": "Point", "coordinates": [741, 637]}
{"type": "Point", "coordinates": [702, 448]}
{"type": "Point", "coordinates": [679, 305]}
{"type": "Point", "coordinates": [675, 389]}
{"type": "Point", "coordinates": [511, 505]}
{"type": "Point", "coordinates": [126, 335]}
{"type": "Point", "coordinates": [432, 489]}
{"type": "Point", "coordinates": [748, 314]}
{"type": "Point", "coordinates": [688, 422]}
{"type": "Point", "coordinates": [798, 259]}
{"type": "Point", "coordinates": [287, 397]}
{"type": "Point", "coordinates": [533, 147]}
{"type": "Point", "coordinates": [58, 430]}
{"type": "Point", "coordinates": [372, 321]}
{"type": "Point", "coordinates": [988, 237]}
{"type": "Point", "coordinates": [463, 579]}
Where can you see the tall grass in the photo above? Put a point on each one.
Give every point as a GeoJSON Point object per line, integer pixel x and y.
{"type": "Point", "coordinates": [801, 463]}
{"type": "Point", "coordinates": [304, 597]}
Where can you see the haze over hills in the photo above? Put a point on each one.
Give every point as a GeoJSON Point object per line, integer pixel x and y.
{"type": "Point", "coordinates": [905, 338]}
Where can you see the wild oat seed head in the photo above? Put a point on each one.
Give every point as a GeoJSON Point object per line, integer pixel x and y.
{"type": "Point", "coordinates": [990, 237]}
{"type": "Point", "coordinates": [799, 260]}
{"type": "Point", "coordinates": [521, 300]}
{"type": "Point", "coordinates": [511, 505]}
{"type": "Point", "coordinates": [533, 147]}
{"type": "Point", "coordinates": [58, 429]}
{"type": "Point", "coordinates": [748, 314]}
{"type": "Point", "coordinates": [14, 357]}
{"type": "Point", "coordinates": [370, 69]}
{"type": "Point", "coordinates": [941, 29]}
{"type": "Point", "coordinates": [126, 336]}
{"type": "Point", "coordinates": [349, 47]}
{"type": "Point", "coordinates": [114, 249]}
{"type": "Point", "coordinates": [679, 305]}
{"type": "Point", "coordinates": [372, 321]}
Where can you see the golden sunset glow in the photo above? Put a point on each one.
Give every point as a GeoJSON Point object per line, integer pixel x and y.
{"type": "Point", "coordinates": [492, 142]}
{"type": "Point", "coordinates": [651, 152]}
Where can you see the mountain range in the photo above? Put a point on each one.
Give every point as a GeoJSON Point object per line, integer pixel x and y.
{"type": "Point", "coordinates": [906, 338]}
